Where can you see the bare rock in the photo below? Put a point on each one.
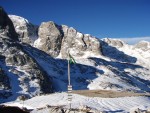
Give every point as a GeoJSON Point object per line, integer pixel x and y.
{"type": "Point", "coordinates": [4, 84]}
{"type": "Point", "coordinates": [4, 80]}
{"type": "Point", "coordinates": [92, 44]}
{"type": "Point", "coordinates": [143, 45]}
{"type": "Point", "coordinates": [27, 32]}
{"type": "Point", "coordinates": [11, 109]}
{"type": "Point", "coordinates": [49, 39]}
{"type": "Point", "coordinates": [7, 30]}
{"type": "Point", "coordinates": [78, 44]}
{"type": "Point", "coordinates": [114, 42]}
{"type": "Point", "coordinates": [58, 40]}
{"type": "Point", "coordinates": [16, 56]}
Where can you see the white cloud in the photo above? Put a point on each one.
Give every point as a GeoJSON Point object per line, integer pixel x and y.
{"type": "Point", "coordinates": [135, 40]}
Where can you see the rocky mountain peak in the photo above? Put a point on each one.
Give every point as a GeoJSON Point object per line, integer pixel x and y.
{"type": "Point", "coordinates": [50, 38]}
{"type": "Point", "coordinates": [27, 31]}
{"type": "Point", "coordinates": [15, 60]}
{"type": "Point", "coordinates": [144, 45]}
{"type": "Point", "coordinates": [114, 42]}
{"type": "Point", "coordinates": [57, 40]}
{"type": "Point", "coordinates": [7, 30]}
{"type": "Point", "coordinates": [102, 64]}
{"type": "Point", "coordinates": [79, 45]}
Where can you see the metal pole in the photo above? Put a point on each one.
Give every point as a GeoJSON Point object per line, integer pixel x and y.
{"type": "Point", "coordinates": [69, 83]}
{"type": "Point", "coordinates": [68, 71]}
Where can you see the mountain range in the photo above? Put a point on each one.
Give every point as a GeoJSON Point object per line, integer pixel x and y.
{"type": "Point", "coordinates": [33, 60]}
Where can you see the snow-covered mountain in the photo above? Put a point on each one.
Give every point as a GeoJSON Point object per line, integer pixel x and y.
{"type": "Point", "coordinates": [27, 32]}
{"type": "Point", "coordinates": [20, 73]}
{"type": "Point", "coordinates": [30, 70]}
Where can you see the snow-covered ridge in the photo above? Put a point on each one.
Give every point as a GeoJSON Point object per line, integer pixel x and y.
{"type": "Point", "coordinates": [107, 64]}
{"type": "Point", "coordinates": [18, 19]}
{"type": "Point", "coordinates": [140, 51]}
{"type": "Point", "coordinates": [27, 31]}
{"type": "Point", "coordinates": [90, 52]}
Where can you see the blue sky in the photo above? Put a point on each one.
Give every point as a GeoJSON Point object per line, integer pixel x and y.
{"type": "Point", "coordinates": [100, 18]}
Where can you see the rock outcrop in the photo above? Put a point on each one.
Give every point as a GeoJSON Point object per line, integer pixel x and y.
{"type": "Point", "coordinates": [61, 109]}
{"type": "Point", "coordinates": [4, 84]}
{"type": "Point", "coordinates": [12, 109]}
{"type": "Point", "coordinates": [144, 45]}
{"type": "Point", "coordinates": [49, 39]}
{"type": "Point", "coordinates": [78, 44]}
{"type": "Point", "coordinates": [4, 80]}
{"type": "Point", "coordinates": [27, 32]}
{"type": "Point", "coordinates": [7, 30]}
{"type": "Point", "coordinates": [58, 40]}
{"type": "Point", "coordinates": [31, 77]}
{"type": "Point", "coordinates": [113, 42]}
{"type": "Point", "coordinates": [16, 56]}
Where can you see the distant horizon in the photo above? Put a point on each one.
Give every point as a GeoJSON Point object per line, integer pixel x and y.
{"type": "Point", "coordinates": [100, 18]}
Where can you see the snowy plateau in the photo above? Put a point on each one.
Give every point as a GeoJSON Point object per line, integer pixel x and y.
{"type": "Point", "coordinates": [33, 64]}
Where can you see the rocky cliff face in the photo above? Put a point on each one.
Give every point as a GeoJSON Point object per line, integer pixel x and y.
{"type": "Point", "coordinates": [50, 38]}
{"type": "Point", "coordinates": [4, 83]}
{"type": "Point", "coordinates": [18, 66]}
{"type": "Point", "coordinates": [7, 30]}
{"type": "Point", "coordinates": [78, 44]}
{"type": "Point", "coordinates": [18, 57]}
{"type": "Point", "coordinates": [27, 32]}
{"type": "Point", "coordinates": [58, 40]}
{"type": "Point", "coordinates": [115, 43]}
